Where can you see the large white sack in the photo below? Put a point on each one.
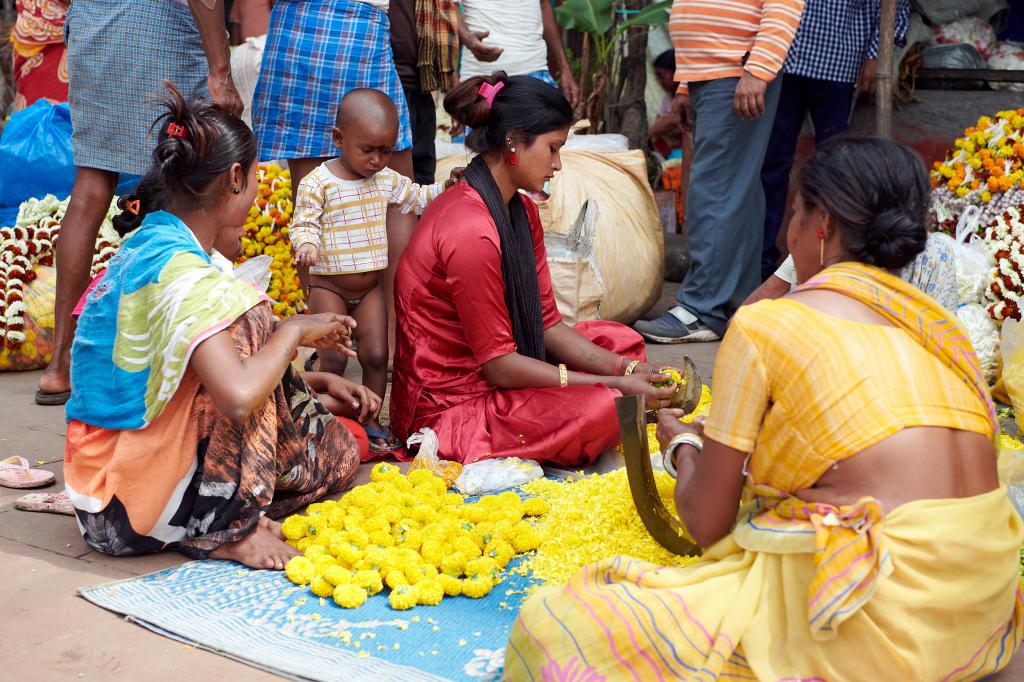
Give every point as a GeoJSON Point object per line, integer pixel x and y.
{"type": "Point", "coordinates": [629, 249]}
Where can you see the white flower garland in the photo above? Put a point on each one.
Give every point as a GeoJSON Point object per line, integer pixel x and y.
{"type": "Point", "coordinates": [28, 244]}
{"type": "Point", "coordinates": [1004, 240]}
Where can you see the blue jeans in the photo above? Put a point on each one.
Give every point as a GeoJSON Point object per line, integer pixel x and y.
{"type": "Point", "coordinates": [828, 103]}
{"type": "Point", "coordinates": [725, 209]}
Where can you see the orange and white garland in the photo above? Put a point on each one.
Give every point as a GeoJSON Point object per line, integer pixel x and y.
{"type": "Point", "coordinates": [266, 234]}
{"type": "Point", "coordinates": [30, 243]}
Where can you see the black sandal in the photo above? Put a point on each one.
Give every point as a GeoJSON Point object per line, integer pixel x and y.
{"type": "Point", "coordinates": [47, 398]}
{"type": "Point", "coordinates": [392, 444]}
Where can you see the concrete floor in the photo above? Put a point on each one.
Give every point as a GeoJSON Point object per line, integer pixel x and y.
{"type": "Point", "coordinates": [50, 633]}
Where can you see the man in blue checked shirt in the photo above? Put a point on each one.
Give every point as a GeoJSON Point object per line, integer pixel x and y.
{"type": "Point", "coordinates": [835, 51]}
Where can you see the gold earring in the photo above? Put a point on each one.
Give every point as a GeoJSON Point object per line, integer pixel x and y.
{"type": "Point", "coordinates": [821, 252]}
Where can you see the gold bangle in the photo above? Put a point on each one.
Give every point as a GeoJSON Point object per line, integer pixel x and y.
{"type": "Point", "coordinates": [563, 376]}
{"type": "Point", "coordinates": [630, 367]}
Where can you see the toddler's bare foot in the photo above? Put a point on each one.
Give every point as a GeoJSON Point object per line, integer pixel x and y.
{"type": "Point", "coordinates": [262, 549]}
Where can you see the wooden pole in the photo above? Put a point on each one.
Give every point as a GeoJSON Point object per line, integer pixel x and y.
{"type": "Point", "coordinates": [886, 68]}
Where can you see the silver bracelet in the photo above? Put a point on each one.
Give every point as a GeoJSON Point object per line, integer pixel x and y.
{"type": "Point", "coordinates": [690, 439]}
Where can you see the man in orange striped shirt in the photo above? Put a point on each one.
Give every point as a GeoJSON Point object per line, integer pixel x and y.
{"type": "Point", "coordinates": [728, 53]}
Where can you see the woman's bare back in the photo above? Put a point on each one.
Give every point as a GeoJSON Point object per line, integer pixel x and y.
{"type": "Point", "coordinates": [916, 463]}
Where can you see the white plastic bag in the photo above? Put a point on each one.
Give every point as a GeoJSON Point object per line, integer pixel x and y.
{"type": "Point", "coordinates": [493, 475]}
{"type": "Point", "coordinates": [1011, 473]}
{"type": "Point", "coordinates": [1007, 56]}
{"type": "Point", "coordinates": [255, 271]}
{"type": "Point", "coordinates": [970, 30]}
{"type": "Point", "coordinates": [245, 72]}
{"type": "Point", "coordinates": [973, 265]}
{"type": "Point", "coordinates": [427, 457]}
{"type": "Point", "coordinates": [984, 335]}
{"type": "Point", "coordinates": [606, 142]}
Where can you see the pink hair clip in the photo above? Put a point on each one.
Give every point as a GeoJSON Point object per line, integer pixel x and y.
{"type": "Point", "coordinates": [489, 92]}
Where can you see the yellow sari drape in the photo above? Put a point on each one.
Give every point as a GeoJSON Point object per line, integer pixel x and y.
{"type": "Point", "coordinates": [800, 591]}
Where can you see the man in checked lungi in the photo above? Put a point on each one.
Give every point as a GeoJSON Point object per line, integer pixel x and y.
{"type": "Point", "coordinates": [120, 53]}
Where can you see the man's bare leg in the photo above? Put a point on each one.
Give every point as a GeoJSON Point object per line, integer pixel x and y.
{"type": "Point", "coordinates": [90, 199]}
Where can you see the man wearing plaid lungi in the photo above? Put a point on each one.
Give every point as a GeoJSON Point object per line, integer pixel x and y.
{"type": "Point", "coordinates": [120, 54]}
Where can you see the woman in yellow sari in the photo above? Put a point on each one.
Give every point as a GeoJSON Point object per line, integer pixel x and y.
{"type": "Point", "coordinates": [875, 541]}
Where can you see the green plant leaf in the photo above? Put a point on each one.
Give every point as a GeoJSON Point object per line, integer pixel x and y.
{"type": "Point", "coordinates": [589, 16]}
{"type": "Point", "coordinates": [654, 14]}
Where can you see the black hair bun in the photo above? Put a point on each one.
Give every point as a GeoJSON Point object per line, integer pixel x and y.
{"type": "Point", "coordinates": [465, 103]}
{"type": "Point", "coordinates": [131, 215]}
{"type": "Point", "coordinates": [892, 239]}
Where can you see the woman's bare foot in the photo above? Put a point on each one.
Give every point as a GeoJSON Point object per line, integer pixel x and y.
{"type": "Point", "coordinates": [272, 525]}
{"type": "Point", "coordinates": [263, 549]}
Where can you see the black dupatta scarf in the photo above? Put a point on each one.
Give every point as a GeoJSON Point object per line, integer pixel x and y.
{"type": "Point", "coordinates": [518, 264]}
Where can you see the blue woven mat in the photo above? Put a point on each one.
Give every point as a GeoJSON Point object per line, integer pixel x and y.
{"type": "Point", "coordinates": [260, 618]}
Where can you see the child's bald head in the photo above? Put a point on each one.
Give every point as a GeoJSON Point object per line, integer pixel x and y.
{"type": "Point", "coordinates": [365, 131]}
{"type": "Point", "coordinates": [368, 109]}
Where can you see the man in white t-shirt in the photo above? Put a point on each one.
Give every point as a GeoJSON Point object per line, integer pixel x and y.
{"type": "Point", "coordinates": [514, 36]}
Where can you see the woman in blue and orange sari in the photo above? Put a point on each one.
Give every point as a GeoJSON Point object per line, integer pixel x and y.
{"type": "Point", "coordinates": [875, 541]}
{"type": "Point", "coordinates": [187, 427]}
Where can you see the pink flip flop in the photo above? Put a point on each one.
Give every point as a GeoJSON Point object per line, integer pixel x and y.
{"type": "Point", "coordinates": [15, 472]}
{"type": "Point", "coordinates": [54, 503]}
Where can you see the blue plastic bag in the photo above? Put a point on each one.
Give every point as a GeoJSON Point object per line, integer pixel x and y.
{"type": "Point", "coordinates": [36, 158]}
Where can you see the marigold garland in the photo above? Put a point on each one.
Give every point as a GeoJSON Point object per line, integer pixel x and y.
{"type": "Point", "coordinates": [987, 159]}
{"type": "Point", "coordinates": [266, 233]}
{"type": "Point", "coordinates": [31, 243]}
{"type": "Point", "coordinates": [985, 168]}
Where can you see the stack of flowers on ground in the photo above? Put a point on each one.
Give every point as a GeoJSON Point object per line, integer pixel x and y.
{"type": "Point", "coordinates": [593, 519]}
{"type": "Point", "coordinates": [409, 535]}
{"type": "Point", "coordinates": [266, 233]}
{"type": "Point", "coordinates": [985, 169]}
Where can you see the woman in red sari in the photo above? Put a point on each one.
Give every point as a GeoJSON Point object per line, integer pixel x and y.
{"type": "Point", "coordinates": [483, 357]}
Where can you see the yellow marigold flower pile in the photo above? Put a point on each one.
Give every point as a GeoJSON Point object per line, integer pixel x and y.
{"type": "Point", "coordinates": [266, 233]}
{"type": "Point", "coordinates": [408, 534]}
{"type": "Point", "coordinates": [1007, 442]}
{"type": "Point", "coordinates": [592, 519]}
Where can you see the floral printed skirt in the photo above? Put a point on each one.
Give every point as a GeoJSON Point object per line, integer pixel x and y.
{"type": "Point", "coordinates": [193, 480]}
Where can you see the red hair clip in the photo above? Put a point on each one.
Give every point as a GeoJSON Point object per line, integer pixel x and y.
{"type": "Point", "coordinates": [175, 130]}
{"type": "Point", "coordinates": [132, 206]}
